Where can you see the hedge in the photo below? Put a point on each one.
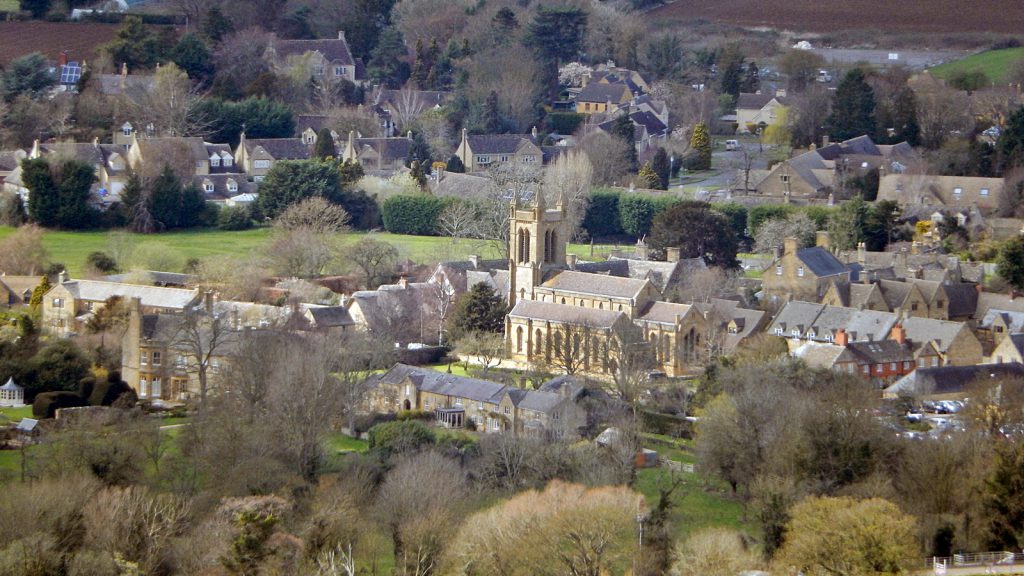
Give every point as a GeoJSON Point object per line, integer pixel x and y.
{"type": "Point", "coordinates": [602, 217]}
{"type": "Point", "coordinates": [564, 122]}
{"type": "Point", "coordinates": [400, 436]}
{"type": "Point", "coordinates": [47, 403]}
{"type": "Point", "coordinates": [636, 212]}
{"type": "Point", "coordinates": [414, 214]}
{"type": "Point", "coordinates": [665, 424]}
{"type": "Point", "coordinates": [758, 215]}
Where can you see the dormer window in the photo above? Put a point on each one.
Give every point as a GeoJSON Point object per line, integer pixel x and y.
{"type": "Point", "coordinates": [778, 270]}
{"type": "Point", "coordinates": [339, 70]}
{"type": "Point", "coordinates": [232, 185]}
{"type": "Point", "coordinates": [126, 129]}
{"type": "Point", "coordinates": [214, 161]}
{"type": "Point", "coordinates": [208, 186]}
{"type": "Point", "coordinates": [226, 159]}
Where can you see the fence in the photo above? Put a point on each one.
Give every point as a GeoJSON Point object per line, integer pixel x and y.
{"type": "Point", "coordinates": [976, 559]}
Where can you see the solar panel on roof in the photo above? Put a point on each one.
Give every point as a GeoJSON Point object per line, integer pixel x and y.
{"type": "Point", "coordinates": [70, 73]}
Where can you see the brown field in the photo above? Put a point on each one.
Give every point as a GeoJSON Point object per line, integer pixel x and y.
{"type": "Point", "coordinates": [928, 16]}
{"type": "Point", "coordinates": [81, 40]}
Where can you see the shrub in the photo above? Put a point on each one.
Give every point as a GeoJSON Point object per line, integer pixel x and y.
{"type": "Point", "coordinates": [102, 262]}
{"type": "Point", "coordinates": [635, 214]}
{"type": "Point", "coordinates": [602, 217]}
{"type": "Point", "coordinates": [109, 391]}
{"type": "Point", "coordinates": [47, 403]}
{"type": "Point", "coordinates": [564, 122]}
{"type": "Point", "coordinates": [760, 214]}
{"type": "Point", "coordinates": [400, 436]}
{"type": "Point", "coordinates": [412, 214]}
{"type": "Point", "coordinates": [234, 218]}
{"type": "Point", "coordinates": [415, 415]}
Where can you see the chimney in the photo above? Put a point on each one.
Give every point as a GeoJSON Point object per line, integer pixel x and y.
{"type": "Point", "coordinates": [789, 246]}
{"type": "Point", "coordinates": [841, 338]}
{"type": "Point", "coordinates": [62, 59]}
{"type": "Point", "coordinates": [821, 240]}
{"type": "Point", "coordinates": [62, 277]}
{"type": "Point", "coordinates": [898, 334]}
{"type": "Point", "coordinates": [862, 253]}
{"type": "Point", "coordinates": [615, 253]}
{"type": "Point", "coordinates": [641, 249]}
{"type": "Point", "coordinates": [341, 34]}
{"type": "Point", "coordinates": [403, 281]}
{"type": "Point", "coordinates": [474, 260]}
{"type": "Point", "coordinates": [534, 132]}
{"type": "Point", "coordinates": [570, 259]}
{"type": "Point", "coordinates": [901, 260]}
{"type": "Point", "coordinates": [208, 301]}
{"type": "Point", "coordinates": [825, 141]}
{"type": "Point", "coordinates": [672, 254]}
{"type": "Point", "coordinates": [409, 134]}
{"type": "Point", "coordinates": [777, 251]}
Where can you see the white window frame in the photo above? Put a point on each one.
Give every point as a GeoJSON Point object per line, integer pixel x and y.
{"type": "Point", "coordinates": [261, 163]}
{"type": "Point", "coordinates": [778, 270]}
{"type": "Point", "coordinates": [215, 161]}
{"type": "Point", "coordinates": [232, 186]}
{"type": "Point", "coordinates": [984, 192]}
{"type": "Point", "coordinates": [143, 358]}
{"type": "Point", "coordinates": [208, 187]}
{"type": "Point", "coordinates": [800, 271]}
{"type": "Point", "coordinates": [156, 358]}
{"type": "Point", "coordinates": [156, 388]}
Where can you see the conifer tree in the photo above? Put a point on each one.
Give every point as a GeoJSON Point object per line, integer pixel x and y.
{"type": "Point", "coordinates": [661, 167]}
{"type": "Point", "coordinates": [701, 143]}
{"type": "Point", "coordinates": [324, 144]}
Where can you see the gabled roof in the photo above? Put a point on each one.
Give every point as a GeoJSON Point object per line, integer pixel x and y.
{"type": "Point", "coordinates": [601, 92]}
{"type": "Point", "coordinates": [334, 49]}
{"type": "Point", "coordinates": [662, 274]}
{"type": "Point", "coordinates": [473, 389]}
{"type": "Point", "coordinates": [280, 148]}
{"type": "Point", "coordinates": [152, 296]}
{"type": "Point", "coordinates": [328, 316]}
{"type": "Point", "coordinates": [664, 312]}
{"type": "Point", "coordinates": [949, 379]}
{"type": "Point", "coordinates": [821, 262]}
{"type": "Point", "coordinates": [222, 186]}
{"type": "Point", "coordinates": [1014, 320]}
{"type": "Point", "coordinates": [649, 121]}
{"type": "Point", "coordinates": [583, 283]}
{"type": "Point", "coordinates": [496, 143]}
{"type": "Point", "coordinates": [747, 101]}
{"type": "Point", "coordinates": [389, 149]}
{"type": "Point", "coordinates": [943, 332]}
{"type": "Point", "coordinates": [881, 352]}
{"type": "Point", "coordinates": [565, 314]}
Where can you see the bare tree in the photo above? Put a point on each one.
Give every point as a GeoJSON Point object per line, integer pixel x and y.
{"type": "Point", "coordinates": [134, 524]}
{"type": "Point", "coordinates": [940, 111]}
{"type": "Point", "coordinates": [743, 165]}
{"type": "Point", "coordinates": [486, 348]}
{"type": "Point", "coordinates": [511, 180]}
{"type": "Point", "coordinates": [22, 253]}
{"type": "Point", "coordinates": [252, 369]}
{"type": "Point", "coordinates": [608, 155]}
{"type": "Point", "coordinates": [374, 259]}
{"type": "Point", "coordinates": [443, 294]}
{"type": "Point", "coordinates": [569, 178]}
{"type": "Point", "coordinates": [200, 339]}
{"type": "Point", "coordinates": [459, 220]}
{"type": "Point", "coordinates": [408, 105]}
{"type": "Point", "coordinates": [360, 120]}
{"type": "Point", "coordinates": [301, 252]}
{"type": "Point", "coordinates": [774, 232]}
{"type": "Point", "coordinates": [315, 214]}
{"type": "Point", "coordinates": [173, 105]}
{"type": "Point", "coordinates": [364, 353]}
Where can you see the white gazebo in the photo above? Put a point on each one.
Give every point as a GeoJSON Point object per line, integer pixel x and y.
{"type": "Point", "coordinates": [12, 395]}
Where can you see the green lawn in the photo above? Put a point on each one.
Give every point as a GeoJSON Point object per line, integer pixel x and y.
{"type": "Point", "coordinates": [343, 443]}
{"type": "Point", "coordinates": [9, 6]}
{"type": "Point", "coordinates": [697, 503]}
{"type": "Point", "coordinates": [72, 248]}
{"type": "Point", "coordinates": [994, 63]}
{"type": "Point", "coordinates": [15, 414]}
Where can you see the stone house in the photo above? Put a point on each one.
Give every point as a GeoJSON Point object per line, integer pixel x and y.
{"type": "Point", "coordinates": [603, 97]}
{"type": "Point", "coordinates": [803, 273]}
{"type": "Point", "coordinates": [110, 162]}
{"type": "Point", "coordinates": [755, 110]}
{"type": "Point", "coordinates": [942, 191]}
{"type": "Point", "coordinates": [880, 362]}
{"type": "Point", "coordinates": [906, 264]}
{"type": "Point", "coordinates": [324, 59]}
{"type": "Point", "coordinates": [455, 401]}
{"type": "Point", "coordinates": [377, 154]}
{"type": "Point", "coordinates": [68, 305]}
{"type": "Point", "coordinates": [396, 109]}
{"type": "Point", "coordinates": [480, 151]}
{"type": "Point", "coordinates": [257, 156]}
{"type": "Point", "coordinates": [16, 291]}
{"type": "Point", "coordinates": [1009, 349]}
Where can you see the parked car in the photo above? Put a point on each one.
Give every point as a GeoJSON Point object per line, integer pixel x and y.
{"type": "Point", "coordinates": [731, 145]}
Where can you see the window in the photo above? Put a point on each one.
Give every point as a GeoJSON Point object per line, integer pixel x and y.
{"type": "Point", "coordinates": [508, 410]}
{"type": "Point", "coordinates": [784, 178]}
{"type": "Point", "coordinates": [914, 306]}
{"type": "Point", "coordinates": [586, 107]}
{"type": "Point", "coordinates": [179, 361]}
{"type": "Point", "coordinates": [778, 331]}
{"type": "Point", "coordinates": [261, 164]}
{"type": "Point", "coordinates": [208, 187]}
{"type": "Point", "coordinates": [958, 191]}
{"type": "Point", "coordinates": [156, 388]}
{"type": "Point", "coordinates": [999, 329]}
{"type": "Point", "coordinates": [144, 358]}
{"type": "Point", "coordinates": [426, 403]}
{"type": "Point", "coordinates": [529, 158]}
{"type": "Point", "coordinates": [940, 303]}
{"type": "Point", "coordinates": [89, 306]}
{"type": "Point", "coordinates": [143, 388]}
{"type": "Point", "coordinates": [458, 402]}
{"type": "Point", "coordinates": [215, 366]}
{"type": "Point", "coordinates": [228, 161]}
{"type": "Point", "coordinates": [892, 366]}
{"type": "Point", "coordinates": [495, 425]}
{"type": "Point", "coordinates": [906, 365]}
{"type": "Point", "coordinates": [258, 178]}
{"type": "Point", "coordinates": [156, 358]}
{"type": "Point", "coordinates": [318, 70]}
{"type": "Point", "coordinates": [935, 361]}
{"type": "Point", "coordinates": [778, 270]}
{"type": "Point", "coordinates": [483, 159]}
{"type": "Point", "coordinates": [232, 186]}
{"type": "Point", "coordinates": [504, 158]}
{"type": "Point", "coordinates": [339, 70]}
{"type": "Point", "coordinates": [214, 161]}
{"type": "Point", "coordinates": [984, 192]}
{"type": "Point", "coordinates": [867, 369]}
{"type": "Point", "coordinates": [796, 333]}
{"type": "Point", "coordinates": [58, 302]}
{"type": "Point", "coordinates": [800, 271]}
{"type": "Point", "coordinates": [408, 389]}
{"type": "Point", "coordinates": [126, 129]}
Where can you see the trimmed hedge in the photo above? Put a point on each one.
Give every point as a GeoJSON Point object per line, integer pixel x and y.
{"type": "Point", "coordinates": [400, 436]}
{"type": "Point", "coordinates": [636, 212]}
{"type": "Point", "coordinates": [602, 217]}
{"type": "Point", "coordinates": [564, 122]}
{"type": "Point", "coordinates": [47, 403]}
{"type": "Point", "coordinates": [414, 214]}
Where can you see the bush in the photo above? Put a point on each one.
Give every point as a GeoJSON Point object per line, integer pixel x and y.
{"type": "Point", "coordinates": [47, 403]}
{"type": "Point", "coordinates": [102, 262]}
{"type": "Point", "coordinates": [758, 215]}
{"type": "Point", "coordinates": [400, 436]}
{"type": "Point", "coordinates": [564, 122]}
{"type": "Point", "coordinates": [234, 218]}
{"type": "Point", "coordinates": [602, 217]}
{"type": "Point", "coordinates": [635, 214]}
{"type": "Point", "coordinates": [412, 214]}
{"type": "Point", "coordinates": [415, 415]}
{"type": "Point", "coordinates": [111, 390]}
{"type": "Point", "coordinates": [665, 424]}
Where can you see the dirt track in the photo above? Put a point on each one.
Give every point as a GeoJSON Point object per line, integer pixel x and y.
{"type": "Point", "coordinates": [1003, 16]}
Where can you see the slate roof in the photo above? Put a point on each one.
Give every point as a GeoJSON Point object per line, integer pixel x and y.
{"type": "Point", "coordinates": [963, 299]}
{"type": "Point", "coordinates": [473, 389]}
{"type": "Point", "coordinates": [538, 401]}
{"type": "Point", "coordinates": [427, 98]}
{"type": "Point", "coordinates": [920, 330]}
{"type": "Point", "coordinates": [328, 316]}
{"type": "Point", "coordinates": [1017, 340]}
{"type": "Point", "coordinates": [9, 159]}
{"type": "Point", "coordinates": [602, 93]}
{"type": "Point", "coordinates": [854, 294]}
{"type": "Point", "coordinates": [316, 122]}
{"type": "Point", "coordinates": [565, 314]}
{"type": "Point", "coordinates": [747, 101]}
{"type": "Point", "coordinates": [496, 143]}
{"type": "Point", "coordinates": [111, 84]}
{"type": "Point", "coordinates": [584, 283]}
{"type": "Point", "coordinates": [389, 149]}
{"type": "Point", "coordinates": [881, 352]}
{"type": "Point", "coordinates": [221, 191]}
{"type": "Point", "coordinates": [1014, 320]}
{"type": "Point", "coordinates": [334, 49]}
{"type": "Point", "coordinates": [662, 274]}
{"type": "Point", "coordinates": [649, 121]}
{"type": "Point", "coordinates": [819, 354]}
{"type": "Point", "coordinates": [796, 315]}
{"type": "Point", "coordinates": [990, 300]}
{"type": "Point", "coordinates": [153, 277]}
{"type": "Point", "coordinates": [939, 190]}
{"type": "Point", "coordinates": [664, 312]}
{"type": "Point", "coordinates": [19, 285]}
{"type": "Point", "coordinates": [152, 296]}
{"type": "Point", "coordinates": [949, 379]}
{"type": "Point", "coordinates": [280, 148]}
{"type": "Point", "coordinates": [821, 262]}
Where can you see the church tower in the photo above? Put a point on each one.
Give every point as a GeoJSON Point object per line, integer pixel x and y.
{"type": "Point", "coordinates": [537, 239]}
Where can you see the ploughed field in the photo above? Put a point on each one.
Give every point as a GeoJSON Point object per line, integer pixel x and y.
{"type": "Point", "coordinates": [940, 16]}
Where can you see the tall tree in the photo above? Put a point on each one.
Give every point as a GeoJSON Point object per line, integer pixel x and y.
{"type": "Point", "coordinates": [387, 63]}
{"type": "Point", "coordinates": [730, 71]}
{"type": "Point", "coordinates": [193, 56]}
{"type": "Point", "coordinates": [29, 75]}
{"type": "Point", "coordinates": [697, 231]}
{"type": "Point", "coordinates": [556, 36]}
{"type": "Point", "coordinates": [38, 8]}
{"type": "Point", "coordinates": [1010, 146]}
{"type": "Point", "coordinates": [853, 107]}
{"type": "Point", "coordinates": [700, 142]}
{"type": "Point", "coordinates": [58, 195]}
{"type": "Point", "coordinates": [623, 129]}
{"type": "Point", "coordinates": [664, 57]}
{"type": "Point", "coordinates": [479, 310]}
{"type": "Point", "coordinates": [661, 167]}
{"type": "Point", "coordinates": [324, 145]}
{"type": "Point", "coordinates": [1011, 262]}
{"type": "Point", "coordinates": [288, 182]}
{"type": "Point", "coordinates": [134, 45]}
{"type": "Point", "coordinates": [215, 25]}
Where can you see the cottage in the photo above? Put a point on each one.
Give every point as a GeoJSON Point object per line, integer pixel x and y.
{"type": "Point", "coordinates": [480, 151]}
{"type": "Point", "coordinates": [803, 273]}
{"type": "Point", "coordinates": [257, 156]}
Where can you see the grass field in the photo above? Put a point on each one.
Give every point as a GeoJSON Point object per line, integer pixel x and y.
{"type": "Point", "coordinates": [9, 5]}
{"type": "Point", "coordinates": [15, 414]}
{"type": "Point", "coordinates": [72, 248]}
{"type": "Point", "coordinates": [994, 63]}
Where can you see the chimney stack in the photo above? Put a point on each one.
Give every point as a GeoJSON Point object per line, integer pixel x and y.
{"type": "Point", "coordinates": [62, 277]}
{"type": "Point", "coordinates": [341, 34]}
{"type": "Point", "coordinates": [898, 333]}
{"type": "Point", "coordinates": [474, 260]}
{"type": "Point", "coordinates": [789, 246]}
{"type": "Point", "coordinates": [208, 301]}
{"type": "Point", "coordinates": [841, 337]}
{"type": "Point", "coordinates": [672, 254]}
{"type": "Point", "coordinates": [825, 141]}
{"type": "Point", "coordinates": [822, 240]}
{"type": "Point", "coordinates": [403, 281]}
{"type": "Point", "coordinates": [570, 259]}
{"type": "Point", "coordinates": [862, 253]}
{"type": "Point", "coordinates": [641, 249]}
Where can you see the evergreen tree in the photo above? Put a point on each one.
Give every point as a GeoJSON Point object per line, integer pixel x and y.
{"type": "Point", "coordinates": [455, 165]}
{"type": "Point", "coordinates": [386, 65]}
{"type": "Point", "coordinates": [134, 45]}
{"type": "Point", "coordinates": [622, 128]}
{"type": "Point", "coordinates": [661, 167]}
{"type": "Point", "coordinates": [418, 173]}
{"type": "Point", "coordinates": [697, 231]}
{"type": "Point", "coordinates": [39, 292]}
{"type": "Point", "coordinates": [1010, 263]}
{"type": "Point", "coordinates": [556, 35]}
{"type": "Point", "coordinates": [419, 151]}
{"type": "Point", "coordinates": [38, 8]}
{"type": "Point", "coordinates": [492, 114]}
{"type": "Point", "coordinates": [291, 181]}
{"type": "Point", "coordinates": [648, 177]}
{"type": "Point", "coordinates": [192, 56]}
{"type": "Point", "coordinates": [215, 25]}
{"type": "Point", "coordinates": [43, 194]}
{"type": "Point", "coordinates": [752, 79]}
{"type": "Point", "coordinates": [853, 107]}
{"type": "Point", "coordinates": [165, 198]}
{"type": "Point", "coordinates": [1004, 497]}
{"type": "Point", "coordinates": [192, 207]}
{"type": "Point", "coordinates": [349, 172]}
{"type": "Point", "coordinates": [1010, 146]}
{"type": "Point", "coordinates": [479, 310]}
{"type": "Point", "coordinates": [665, 57]}
{"type": "Point", "coordinates": [76, 180]}
{"type": "Point", "coordinates": [504, 23]}
{"type": "Point", "coordinates": [730, 71]}
{"type": "Point", "coordinates": [700, 141]}
{"type": "Point", "coordinates": [423, 67]}
{"type": "Point", "coordinates": [324, 145]}
{"type": "Point", "coordinates": [58, 197]}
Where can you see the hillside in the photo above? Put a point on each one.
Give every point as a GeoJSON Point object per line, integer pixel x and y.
{"type": "Point", "coordinates": [994, 63]}
{"type": "Point", "coordinates": [938, 16]}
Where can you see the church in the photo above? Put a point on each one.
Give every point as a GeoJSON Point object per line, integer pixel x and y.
{"type": "Point", "coordinates": [581, 317]}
